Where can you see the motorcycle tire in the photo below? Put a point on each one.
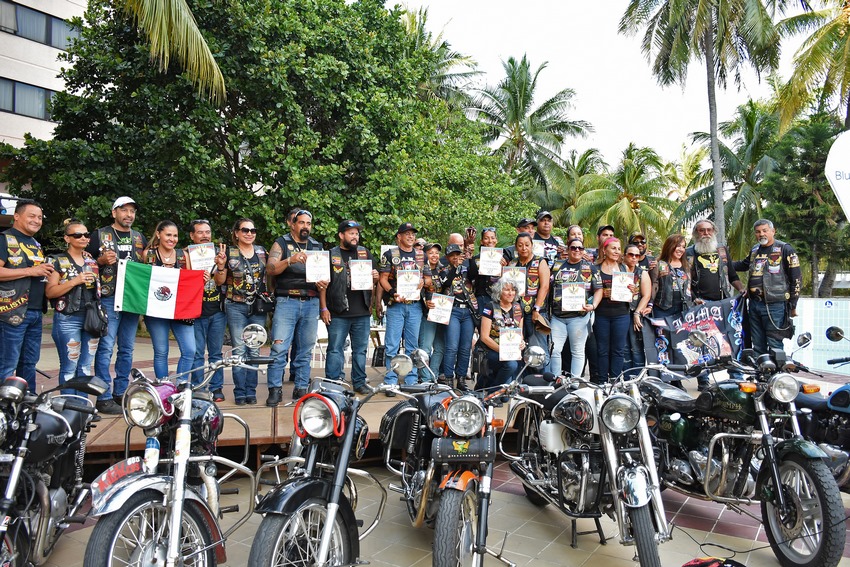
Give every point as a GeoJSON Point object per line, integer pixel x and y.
{"type": "Point", "coordinates": [456, 528]}
{"type": "Point", "coordinates": [293, 539]}
{"type": "Point", "coordinates": [805, 479]}
{"type": "Point", "coordinates": [16, 545]}
{"type": "Point", "coordinates": [116, 538]}
{"type": "Point", "coordinates": [644, 534]}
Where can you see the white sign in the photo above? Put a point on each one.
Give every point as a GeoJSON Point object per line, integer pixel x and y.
{"type": "Point", "coordinates": [318, 266]}
{"type": "Point", "coordinates": [620, 282]}
{"type": "Point", "coordinates": [442, 310]}
{"type": "Point", "coordinates": [361, 274]}
{"type": "Point", "coordinates": [573, 296]}
{"type": "Point", "coordinates": [490, 263]}
{"type": "Point", "coordinates": [407, 284]}
{"type": "Point", "coordinates": [201, 256]}
{"type": "Point", "coordinates": [509, 341]}
{"type": "Point", "coordinates": [837, 170]}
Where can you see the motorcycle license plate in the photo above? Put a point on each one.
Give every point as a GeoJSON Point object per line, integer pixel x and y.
{"type": "Point", "coordinates": [115, 473]}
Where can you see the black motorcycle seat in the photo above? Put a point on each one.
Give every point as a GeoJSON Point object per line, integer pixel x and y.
{"type": "Point", "coordinates": [814, 402]}
{"type": "Point", "coordinates": [668, 396]}
{"type": "Point", "coordinates": [549, 399]}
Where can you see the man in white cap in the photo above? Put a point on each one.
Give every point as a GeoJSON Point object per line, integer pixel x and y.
{"type": "Point", "coordinates": [110, 244]}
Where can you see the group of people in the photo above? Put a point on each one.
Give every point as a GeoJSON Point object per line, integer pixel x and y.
{"type": "Point", "coordinates": [558, 294]}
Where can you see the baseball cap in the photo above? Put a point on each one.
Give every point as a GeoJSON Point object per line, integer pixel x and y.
{"type": "Point", "coordinates": [421, 242]}
{"type": "Point", "coordinates": [543, 214]}
{"type": "Point", "coordinates": [604, 227]}
{"type": "Point", "coordinates": [121, 201]}
{"type": "Point", "coordinates": [452, 248]}
{"type": "Point", "coordinates": [430, 245]}
{"type": "Point", "coordinates": [346, 224]}
{"type": "Point", "coordinates": [526, 222]}
{"type": "Point", "coordinates": [405, 227]}
{"type": "Point", "coordinates": [635, 235]}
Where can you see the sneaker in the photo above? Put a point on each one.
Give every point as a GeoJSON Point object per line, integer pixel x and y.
{"type": "Point", "coordinates": [251, 401]}
{"type": "Point", "coordinates": [218, 396]}
{"type": "Point", "coordinates": [108, 407]}
{"type": "Point", "coordinates": [297, 393]}
{"type": "Point", "coordinates": [274, 397]}
{"type": "Point", "coordinates": [389, 393]}
{"type": "Point", "coordinates": [363, 390]}
{"type": "Point", "coordinates": [240, 401]}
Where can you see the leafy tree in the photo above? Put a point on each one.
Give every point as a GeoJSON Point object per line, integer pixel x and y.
{"type": "Point", "coordinates": [801, 203]}
{"type": "Point", "coordinates": [561, 200]}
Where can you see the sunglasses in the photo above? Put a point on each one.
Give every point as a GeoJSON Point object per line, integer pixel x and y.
{"type": "Point", "coordinates": [78, 235]}
{"type": "Point", "coordinates": [244, 230]}
{"type": "Point", "coordinates": [302, 212]}
{"type": "Point", "coordinates": [576, 247]}
{"type": "Point", "coordinates": [488, 229]}
{"type": "Point", "coordinates": [632, 255]}
{"type": "Point", "coordinates": [639, 242]}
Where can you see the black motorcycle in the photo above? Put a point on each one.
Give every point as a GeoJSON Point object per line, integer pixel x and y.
{"type": "Point", "coordinates": [42, 444]}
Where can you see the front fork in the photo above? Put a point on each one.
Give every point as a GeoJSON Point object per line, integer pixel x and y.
{"type": "Point", "coordinates": [12, 484]}
{"type": "Point", "coordinates": [769, 445]}
{"type": "Point", "coordinates": [182, 448]}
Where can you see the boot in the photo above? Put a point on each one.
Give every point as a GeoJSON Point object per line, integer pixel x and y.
{"type": "Point", "coordinates": [441, 379]}
{"type": "Point", "coordinates": [274, 397]}
{"type": "Point", "coordinates": [461, 384]}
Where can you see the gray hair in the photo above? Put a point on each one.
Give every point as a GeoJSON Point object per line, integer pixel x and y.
{"type": "Point", "coordinates": [695, 234]}
{"type": "Point", "coordinates": [496, 290]}
{"type": "Point", "coordinates": [762, 222]}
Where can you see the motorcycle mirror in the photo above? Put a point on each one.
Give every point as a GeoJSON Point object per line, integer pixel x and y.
{"type": "Point", "coordinates": [401, 364]}
{"type": "Point", "coordinates": [13, 388]}
{"type": "Point", "coordinates": [420, 358]}
{"type": "Point", "coordinates": [804, 339]}
{"type": "Point", "coordinates": [534, 356]}
{"type": "Point", "coordinates": [698, 338]}
{"type": "Point", "coordinates": [254, 335]}
{"type": "Point", "coordinates": [834, 334]}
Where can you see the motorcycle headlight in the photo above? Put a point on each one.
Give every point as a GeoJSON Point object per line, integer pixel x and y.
{"type": "Point", "coordinates": [143, 406]}
{"type": "Point", "coordinates": [465, 416]}
{"type": "Point", "coordinates": [318, 416]}
{"type": "Point", "coordinates": [620, 413]}
{"type": "Point", "coordinates": [783, 388]}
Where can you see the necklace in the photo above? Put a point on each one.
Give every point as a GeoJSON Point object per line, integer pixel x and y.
{"type": "Point", "coordinates": [167, 260]}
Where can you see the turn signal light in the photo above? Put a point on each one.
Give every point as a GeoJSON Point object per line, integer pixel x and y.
{"type": "Point", "coordinates": [810, 388]}
{"type": "Point", "coordinates": [748, 387]}
{"type": "Point", "coordinates": [498, 423]}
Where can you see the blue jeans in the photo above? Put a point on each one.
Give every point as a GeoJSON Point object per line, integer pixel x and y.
{"type": "Point", "coordinates": [432, 340]}
{"type": "Point", "coordinates": [501, 371]}
{"type": "Point", "coordinates": [293, 317]}
{"type": "Point", "coordinates": [574, 328]}
{"type": "Point", "coordinates": [611, 336]}
{"type": "Point", "coordinates": [238, 317]}
{"type": "Point", "coordinates": [20, 348]}
{"type": "Point", "coordinates": [358, 329]}
{"type": "Point", "coordinates": [185, 336]}
{"type": "Point", "coordinates": [76, 348]}
{"type": "Point", "coordinates": [209, 336]}
{"type": "Point", "coordinates": [403, 319]}
{"type": "Point", "coordinates": [765, 318]}
{"type": "Point", "coordinates": [121, 331]}
{"type": "Point", "coordinates": [458, 343]}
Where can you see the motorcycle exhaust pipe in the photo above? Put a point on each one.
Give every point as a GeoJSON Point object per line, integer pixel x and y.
{"type": "Point", "coordinates": [419, 520]}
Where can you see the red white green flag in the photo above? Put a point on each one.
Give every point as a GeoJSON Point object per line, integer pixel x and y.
{"type": "Point", "coordinates": [167, 293]}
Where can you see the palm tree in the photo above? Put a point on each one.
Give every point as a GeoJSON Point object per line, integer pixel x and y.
{"type": "Point", "coordinates": [724, 35]}
{"type": "Point", "coordinates": [529, 139]}
{"type": "Point", "coordinates": [631, 198]}
{"type": "Point", "coordinates": [687, 173]}
{"type": "Point", "coordinates": [561, 200]}
{"type": "Point", "coordinates": [172, 30]}
{"type": "Point", "coordinates": [821, 65]}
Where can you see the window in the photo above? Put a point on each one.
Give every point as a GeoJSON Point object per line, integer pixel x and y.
{"type": "Point", "coordinates": [35, 25]}
{"type": "Point", "coordinates": [24, 99]}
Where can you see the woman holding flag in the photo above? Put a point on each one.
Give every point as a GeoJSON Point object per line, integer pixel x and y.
{"type": "Point", "coordinates": [163, 251]}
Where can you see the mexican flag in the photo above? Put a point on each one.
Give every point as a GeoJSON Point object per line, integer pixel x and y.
{"type": "Point", "coordinates": [168, 293]}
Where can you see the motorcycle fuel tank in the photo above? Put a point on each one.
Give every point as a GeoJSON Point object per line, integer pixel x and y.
{"type": "Point", "coordinates": [839, 400]}
{"type": "Point", "coordinates": [725, 400]}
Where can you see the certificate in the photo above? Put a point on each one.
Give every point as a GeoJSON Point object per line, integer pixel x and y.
{"type": "Point", "coordinates": [318, 266]}
{"type": "Point", "coordinates": [407, 284]}
{"type": "Point", "coordinates": [538, 248]}
{"type": "Point", "coordinates": [620, 282]}
{"type": "Point", "coordinates": [490, 263]}
{"type": "Point", "coordinates": [573, 296]}
{"type": "Point", "coordinates": [361, 274]}
{"type": "Point", "coordinates": [515, 273]}
{"type": "Point", "coordinates": [442, 310]}
{"type": "Point", "coordinates": [201, 256]}
{"type": "Point", "coordinates": [509, 340]}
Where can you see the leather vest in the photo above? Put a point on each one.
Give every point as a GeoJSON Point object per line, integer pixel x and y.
{"type": "Point", "coordinates": [14, 294]}
{"type": "Point", "coordinates": [237, 282]}
{"type": "Point", "coordinates": [532, 281]}
{"type": "Point", "coordinates": [664, 297]}
{"type": "Point", "coordinates": [723, 261]}
{"type": "Point", "coordinates": [293, 280]}
{"type": "Point", "coordinates": [72, 302]}
{"type": "Point", "coordinates": [447, 277]}
{"type": "Point", "coordinates": [337, 293]}
{"type": "Point", "coordinates": [108, 241]}
{"type": "Point", "coordinates": [775, 284]}
{"type": "Point", "coordinates": [419, 258]}
{"type": "Point", "coordinates": [564, 272]}
{"type": "Point", "coordinates": [500, 321]}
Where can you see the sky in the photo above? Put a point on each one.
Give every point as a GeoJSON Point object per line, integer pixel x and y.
{"type": "Point", "coordinates": [615, 89]}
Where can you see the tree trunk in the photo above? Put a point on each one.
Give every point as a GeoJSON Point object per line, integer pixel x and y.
{"type": "Point", "coordinates": [828, 279]}
{"type": "Point", "coordinates": [815, 271]}
{"type": "Point", "coordinates": [719, 211]}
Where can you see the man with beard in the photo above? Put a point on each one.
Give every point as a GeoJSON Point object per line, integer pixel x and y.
{"type": "Point", "coordinates": [647, 261]}
{"type": "Point", "coordinates": [545, 244]}
{"type": "Point", "coordinates": [23, 272]}
{"type": "Point", "coordinates": [344, 310]}
{"type": "Point", "coordinates": [109, 245]}
{"type": "Point", "coordinates": [297, 306]}
{"type": "Point", "coordinates": [209, 327]}
{"type": "Point", "coordinates": [773, 288]}
{"type": "Point", "coordinates": [711, 278]}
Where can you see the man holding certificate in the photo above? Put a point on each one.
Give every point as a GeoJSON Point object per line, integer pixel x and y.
{"type": "Point", "coordinates": [345, 304]}
{"type": "Point", "coordinates": [403, 273]}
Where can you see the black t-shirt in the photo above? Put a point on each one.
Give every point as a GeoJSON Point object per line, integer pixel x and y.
{"type": "Point", "coordinates": [293, 280]}
{"type": "Point", "coordinates": [549, 250]}
{"type": "Point", "coordinates": [357, 306]}
{"type": "Point", "coordinates": [607, 307]}
{"type": "Point", "coordinates": [707, 267]}
{"type": "Point", "coordinates": [32, 255]}
{"type": "Point", "coordinates": [394, 260]}
{"type": "Point", "coordinates": [123, 243]}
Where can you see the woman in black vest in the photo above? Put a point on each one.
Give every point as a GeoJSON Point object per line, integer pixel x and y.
{"type": "Point", "coordinates": [504, 312]}
{"type": "Point", "coordinates": [73, 284]}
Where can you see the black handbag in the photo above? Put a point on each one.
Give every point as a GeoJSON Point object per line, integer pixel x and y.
{"type": "Point", "coordinates": [263, 304]}
{"type": "Point", "coordinates": [379, 356]}
{"type": "Point", "coordinates": [480, 364]}
{"type": "Point", "coordinates": [96, 323]}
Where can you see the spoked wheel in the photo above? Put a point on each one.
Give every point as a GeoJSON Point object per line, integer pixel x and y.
{"type": "Point", "coordinates": [293, 540]}
{"type": "Point", "coordinates": [812, 533]}
{"type": "Point", "coordinates": [137, 535]}
{"type": "Point", "coordinates": [529, 444]}
{"type": "Point", "coordinates": [15, 548]}
{"type": "Point", "coordinates": [456, 528]}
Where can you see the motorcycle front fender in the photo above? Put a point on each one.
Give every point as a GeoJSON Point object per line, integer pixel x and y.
{"type": "Point", "coordinates": [458, 480]}
{"type": "Point", "coordinates": [634, 485]}
{"type": "Point", "coordinates": [801, 447]}
{"type": "Point", "coordinates": [284, 499]}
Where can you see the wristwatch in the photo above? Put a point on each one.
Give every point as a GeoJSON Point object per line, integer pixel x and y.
{"type": "Point", "coordinates": [537, 308]}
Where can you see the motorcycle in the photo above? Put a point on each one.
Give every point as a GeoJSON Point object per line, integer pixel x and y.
{"type": "Point", "coordinates": [309, 519]}
{"type": "Point", "coordinates": [42, 445]}
{"type": "Point", "coordinates": [826, 420]}
{"type": "Point", "coordinates": [731, 445]}
{"type": "Point", "coordinates": [586, 448]}
{"type": "Point", "coordinates": [164, 508]}
{"type": "Point", "coordinates": [442, 445]}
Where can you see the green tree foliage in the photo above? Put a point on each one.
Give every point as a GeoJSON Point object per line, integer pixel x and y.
{"type": "Point", "coordinates": [321, 112]}
{"type": "Point", "coordinates": [801, 203]}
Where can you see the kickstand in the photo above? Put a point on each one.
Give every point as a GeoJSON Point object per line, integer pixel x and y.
{"type": "Point", "coordinates": [598, 530]}
{"type": "Point", "coordinates": [498, 555]}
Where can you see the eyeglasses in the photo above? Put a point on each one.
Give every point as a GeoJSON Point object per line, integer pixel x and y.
{"type": "Point", "coordinates": [302, 212]}
{"type": "Point", "coordinates": [244, 230]}
{"type": "Point", "coordinates": [632, 255]}
{"type": "Point", "coordinates": [576, 247]}
{"type": "Point", "coordinates": [78, 235]}
{"type": "Point", "coordinates": [196, 222]}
